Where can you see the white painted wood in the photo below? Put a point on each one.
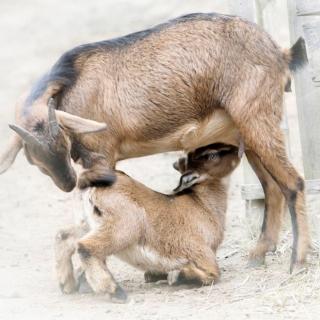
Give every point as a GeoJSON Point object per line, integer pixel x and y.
{"type": "Point", "coordinates": [249, 10]}
{"type": "Point", "coordinates": [244, 8]}
{"type": "Point", "coordinates": [307, 94]}
{"type": "Point", "coordinates": [307, 7]}
{"type": "Point", "coordinates": [252, 191]}
{"type": "Point", "coordinates": [270, 24]}
{"type": "Point", "coordinates": [263, 13]}
{"type": "Point", "coordinates": [311, 33]}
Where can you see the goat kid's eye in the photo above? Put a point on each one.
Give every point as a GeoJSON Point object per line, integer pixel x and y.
{"type": "Point", "coordinates": [213, 156]}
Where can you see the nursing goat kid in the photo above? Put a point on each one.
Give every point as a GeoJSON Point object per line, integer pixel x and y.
{"type": "Point", "coordinates": [161, 234]}
{"type": "Point", "coordinates": [187, 83]}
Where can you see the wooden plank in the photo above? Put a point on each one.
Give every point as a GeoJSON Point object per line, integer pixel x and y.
{"type": "Point", "coordinates": [270, 22]}
{"type": "Point", "coordinates": [255, 207]}
{"type": "Point", "coordinates": [254, 191]}
{"type": "Point", "coordinates": [308, 98]}
{"type": "Point", "coordinates": [311, 32]}
{"type": "Point", "coordinates": [313, 186]}
{"type": "Point", "coordinates": [308, 7]}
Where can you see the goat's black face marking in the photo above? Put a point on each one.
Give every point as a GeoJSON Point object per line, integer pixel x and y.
{"type": "Point", "coordinates": [97, 211]}
{"type": "Point", "coordinates": [40, 127]}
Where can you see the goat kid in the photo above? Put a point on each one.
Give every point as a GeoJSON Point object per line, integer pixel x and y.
{"type": "Point", "coordinates": [161, 234]}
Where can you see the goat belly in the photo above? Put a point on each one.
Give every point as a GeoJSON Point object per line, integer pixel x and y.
{"type": "Point", "coordinates": [218, 127]}
{"type": "Point", "coordinates": [145, 258]}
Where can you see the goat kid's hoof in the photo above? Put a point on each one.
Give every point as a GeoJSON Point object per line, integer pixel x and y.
{"type": "Point", "coordinates": [119, 296]}
{"type": "Point", "coordinates": [83, 285]}
{"type": "Point", "coordinates": [151, 277]}
{"type": "Point", "coordinates": [148, 277]}
{"type": "Point", "coordinates": [173, 277]}
{"type": "Point", "coordinates": [68, 287]}
{"type": "Point", "coordinates": [210, 281]}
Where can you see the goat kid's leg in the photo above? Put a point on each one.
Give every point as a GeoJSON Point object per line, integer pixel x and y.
{"type": "Point", "coordinates": [261, 133]}
{"type": "Point", "coordinates": [274, 207]}
{"type": "Point", "coordinates": [98, 171]}
{"type": "Point", "coordinates": [65, 246]}
{"type": "Point", "coordinates": [92, 252]}
{"type": "Point", "coordinates": [203, 270]}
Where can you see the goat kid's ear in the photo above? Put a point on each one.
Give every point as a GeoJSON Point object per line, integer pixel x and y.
{"type": "Point", "coordinates": [181, 164]}
{"type": "Point", "coordinates": [187, 180]}
{"type": "Point", "coordinates": [77, 124]}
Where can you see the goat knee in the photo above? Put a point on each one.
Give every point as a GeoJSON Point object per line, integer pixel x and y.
{"type": "Point", "coordinates": [98, 275]}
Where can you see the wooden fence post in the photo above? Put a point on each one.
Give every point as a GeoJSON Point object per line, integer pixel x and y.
{"type": "Point", "coordinates": [251, 190]}
{"type": "Point", "coordinates": [304, 20]}
{"type": "Point", "coordinates": [261, 12]}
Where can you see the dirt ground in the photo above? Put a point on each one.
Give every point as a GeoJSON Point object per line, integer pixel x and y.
{"type": "Point", "coordinates": [33, 34]}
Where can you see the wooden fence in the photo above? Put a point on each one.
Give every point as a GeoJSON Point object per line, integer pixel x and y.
{"type": "Point", "coordinates": [303, 20]}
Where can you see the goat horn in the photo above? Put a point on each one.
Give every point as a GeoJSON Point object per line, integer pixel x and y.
{"type": "Point", "coordinates": [53, 123]}
{"type": "Point", "coordinates": [25, 135]}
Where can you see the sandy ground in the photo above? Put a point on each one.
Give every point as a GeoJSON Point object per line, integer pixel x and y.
{"type": "Point", "coordinates": [33, 34]}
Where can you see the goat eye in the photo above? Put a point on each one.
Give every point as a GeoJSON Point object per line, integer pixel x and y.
{"type": "Point", "coordinates": [212, 156]}
{"type": "Point", "coordinates": [97, 211]}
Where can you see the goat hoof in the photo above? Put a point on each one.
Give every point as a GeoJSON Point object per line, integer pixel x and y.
{"type": "Point", "coordinates": [119, 296]}
{"type": "Point", "coordinates": [256, 262]}
{"type": "Point", "coordinates": [150, 276]}
{"type": "Point", "coordinates": [298, 267]}
{"type": "Point", "coordinates": [68, 287]}
{"type": "Point", "coordinates": [209, 281]}
{"type": "Point", "coordinates": [83, 285]}
{"type": "Point", "coordinates": [173, 277]}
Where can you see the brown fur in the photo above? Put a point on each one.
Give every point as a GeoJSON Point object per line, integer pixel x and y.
{"type": "Point", "coordinates": [196, 80]}
{"type": "Point", "coordinates": [155, 232]}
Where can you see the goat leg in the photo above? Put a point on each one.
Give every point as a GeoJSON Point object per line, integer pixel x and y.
{"type": "Point", "coordinates": [65, 246]}
{"type": "Point", "coordinates": [265, 138]}
{"type": "Point", "coordinates": [98, 170]}
{"type": "Point", "coordinates": [274, 208]}
{"type": "Point", "coordinates": [96, 271]}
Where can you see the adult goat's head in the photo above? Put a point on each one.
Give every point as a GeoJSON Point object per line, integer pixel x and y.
{"type": "Point", "coordinates": [46, 140]}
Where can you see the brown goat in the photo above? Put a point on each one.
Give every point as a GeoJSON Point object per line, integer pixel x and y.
{"type": "Point", "coordinates": [154, 232]}
{"type": "Point", "coordinates": [196, 80]}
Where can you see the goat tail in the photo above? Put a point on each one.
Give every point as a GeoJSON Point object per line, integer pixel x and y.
{"type": "Point", "coordinates": [296, 56]}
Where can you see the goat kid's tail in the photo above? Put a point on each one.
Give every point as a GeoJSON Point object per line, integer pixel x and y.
{"type": "Point", "coordinates": [296, 56]}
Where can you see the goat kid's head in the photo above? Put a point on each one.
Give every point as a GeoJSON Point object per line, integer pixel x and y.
{"type": "Point", "coordinates": [206, 163]}
{"type": "Point", "coordinates": [46, 140]}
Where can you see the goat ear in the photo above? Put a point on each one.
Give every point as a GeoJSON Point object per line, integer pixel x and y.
{"type": "Point", "coordinates": [187, 180]}
{"type": "Point", "coordinates": [181, 164]}
{"type": "Point", "coordinates": [77, 124]}
{"type": "Point", "coordinates": [9, 155]}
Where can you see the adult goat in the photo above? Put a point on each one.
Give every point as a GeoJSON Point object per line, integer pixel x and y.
{"type": "Point", "coordinates": [196, 80]}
